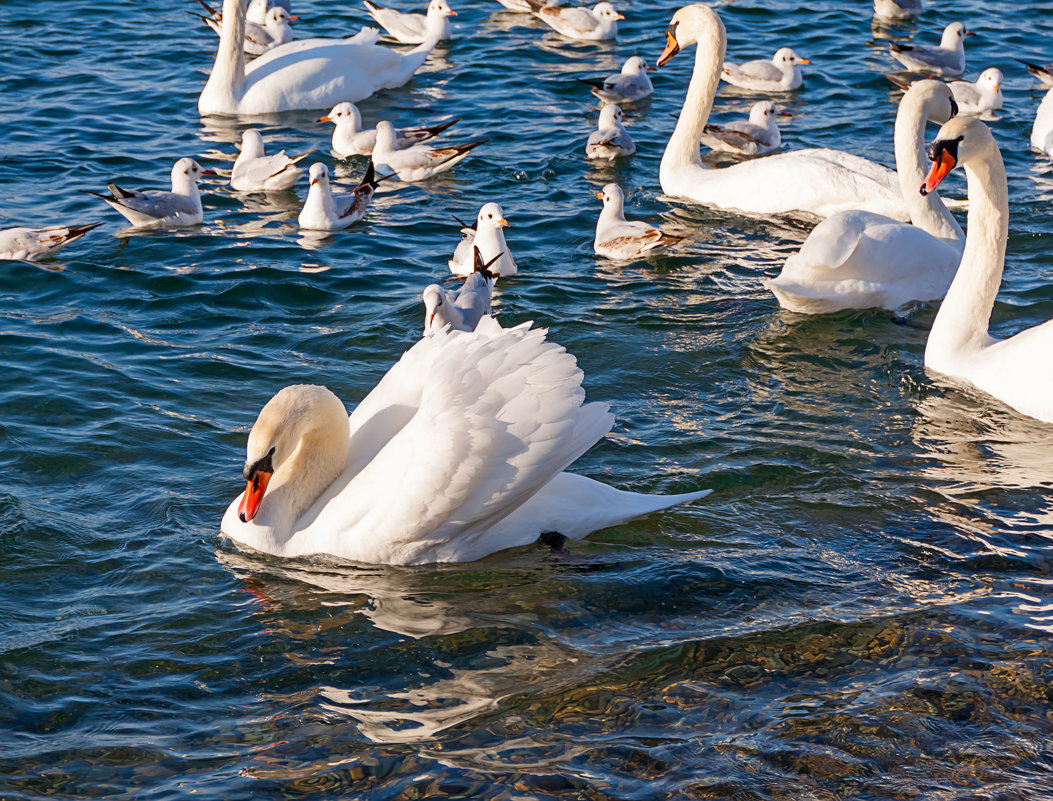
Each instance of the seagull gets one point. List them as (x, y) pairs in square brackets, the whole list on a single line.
[(271, 31), (610, 140), (626, 86), (156, 207), (412, 28), (417, 162), (326, 210), (257, 10), (524, 6), (753, 137), (621, 239), (254, 171), (488, 236), (350, 139), (781, 74), (946, 59), (33, 244), (595, 24), (898, 9), (463, 308), (975, 99), (1044, 73)]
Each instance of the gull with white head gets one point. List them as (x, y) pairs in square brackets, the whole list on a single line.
[(161, 208), (488, 237), (351, 139), (462, 308), (417, 162), (272, 30), (753, 137), (610, 140), (33, 244), (594, 24), (627, 86), (622, 239), (413, 28), (326, 210), (255, 171), (781, 74), (946, 58)]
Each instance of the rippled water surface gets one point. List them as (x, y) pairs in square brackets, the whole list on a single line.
[(861, 609)]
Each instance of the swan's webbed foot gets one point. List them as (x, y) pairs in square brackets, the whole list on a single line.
[(554, 540)]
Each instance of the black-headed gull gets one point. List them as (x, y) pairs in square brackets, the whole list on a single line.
[(463, 308), (753, 137), (1044, 73), (781, 74), (350, 139), (271, 31), (947, 58), (488, 237), (610, 140), (418, 162), (631, 84), (326, 210), (33, 244), (589, 24), (977, 98), (413, 28), (254, 171), (621, 239), (897, 9), (160, 208)]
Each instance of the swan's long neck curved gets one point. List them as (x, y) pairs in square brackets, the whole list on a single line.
[(683, 147), (927, 212), (228, 72), (962, 322)]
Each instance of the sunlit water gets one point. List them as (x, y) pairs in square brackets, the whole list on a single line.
[(861, 609)]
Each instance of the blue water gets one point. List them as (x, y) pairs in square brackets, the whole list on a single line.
[(861, 609)]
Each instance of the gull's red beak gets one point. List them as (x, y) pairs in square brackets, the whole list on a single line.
[(253, 495)]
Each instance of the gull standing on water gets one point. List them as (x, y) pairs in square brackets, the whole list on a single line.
[(753, 137), (463, 308), (632, 83), (610, 140), (413, 28), (781, 74), (350, 139), (595, 24), (325, 210), (255, 171), (417, 162), (160, 208), (621, 239), (488, 237), (947, 58), (33, 244)]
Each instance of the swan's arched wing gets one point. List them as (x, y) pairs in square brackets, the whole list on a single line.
[(500, 415)]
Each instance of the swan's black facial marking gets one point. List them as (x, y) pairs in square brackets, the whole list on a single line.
[(672, 46), (954, 107), (262, 465), (941, 146)]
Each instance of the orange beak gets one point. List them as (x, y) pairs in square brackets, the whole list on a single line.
[(939, 171), (326, 118), (253, 495), (599, 195), (619, 16), (803, 60), (451, 13), (503, 222), (294, 18), (671, 49)]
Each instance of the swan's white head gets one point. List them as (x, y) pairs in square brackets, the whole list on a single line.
[(187, 171), (344, 114), (319, 174), (785, 58), (634, 65), (991, 78), (252, 144), (613, 198), (386, 136), (440, 9), (690, 25), (936, 99), (609, 116), (954, 36), (491, 216), (434, 299), (606, 11), (959, 141), (287, 423)]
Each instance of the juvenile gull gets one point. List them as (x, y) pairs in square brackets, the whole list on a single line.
[(618, 238)]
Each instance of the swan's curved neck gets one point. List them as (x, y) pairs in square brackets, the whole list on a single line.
[(927, 212), (683, 147), (228, 71), (963, 319)]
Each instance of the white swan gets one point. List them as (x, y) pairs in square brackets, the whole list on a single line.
[(457, 453), (820, 181), (856, 259), (306, 74), (1019, 370)]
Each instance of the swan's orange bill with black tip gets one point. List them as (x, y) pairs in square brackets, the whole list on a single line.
[(250, 500), (671, 46), (944, 156)]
